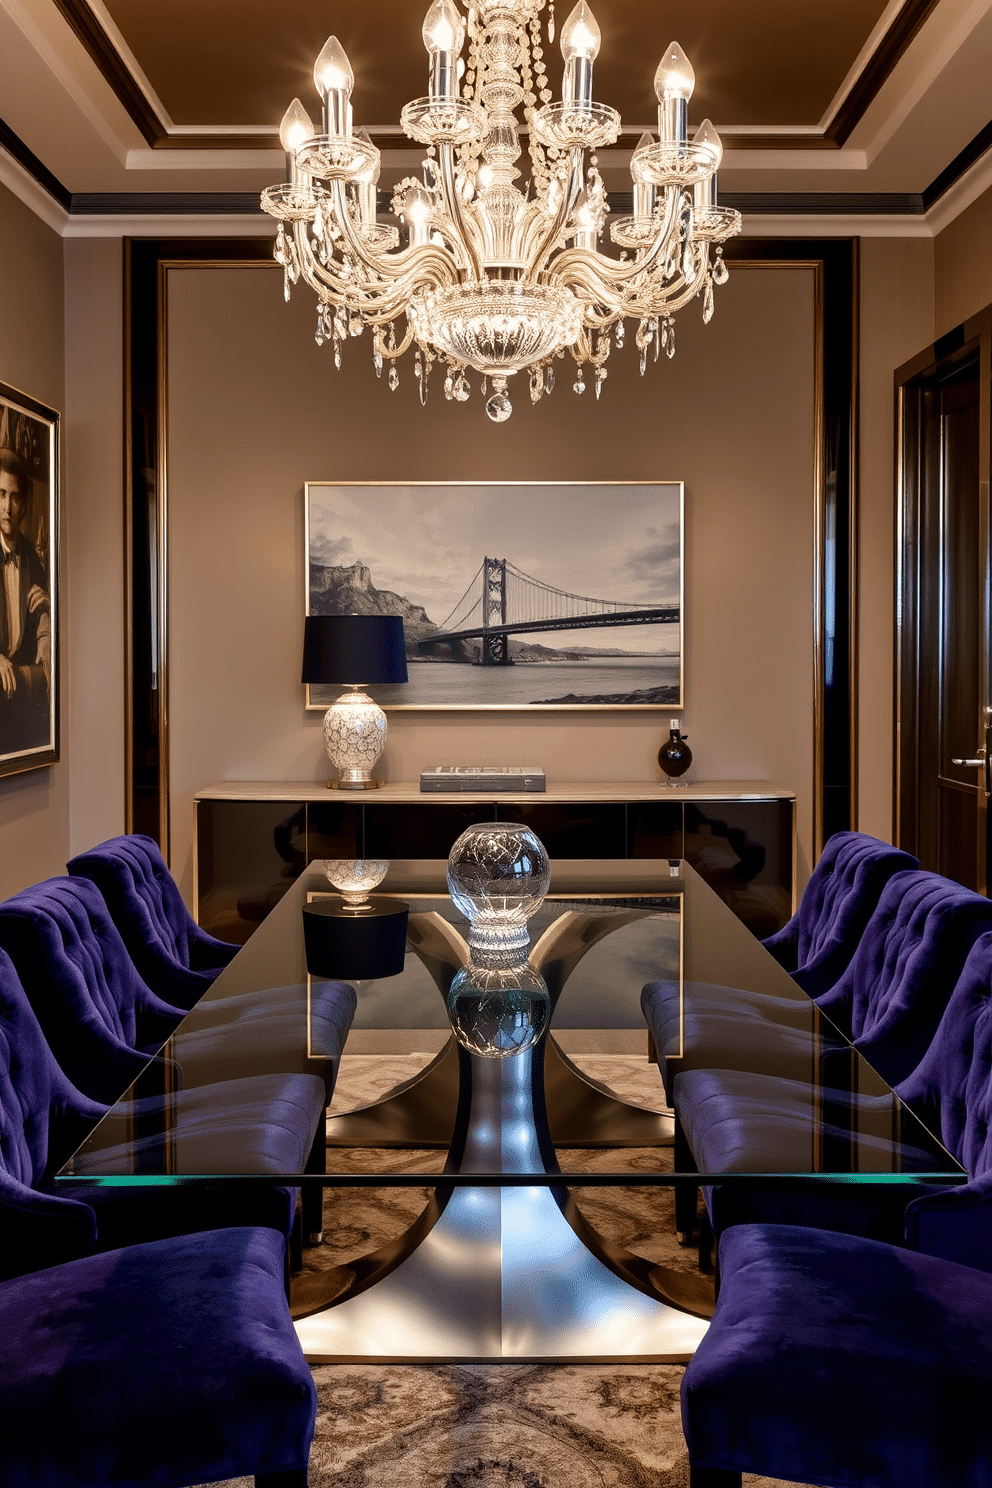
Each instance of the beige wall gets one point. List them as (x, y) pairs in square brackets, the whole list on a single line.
[(896, 323), (963, 266), (255, 409), (94, 520), (34, 807)]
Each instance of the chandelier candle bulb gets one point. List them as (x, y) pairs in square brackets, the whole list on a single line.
[(708, 139), (673, 85), (334, 81), (418, 211), (443, 36), (580, 42), (296, 128)]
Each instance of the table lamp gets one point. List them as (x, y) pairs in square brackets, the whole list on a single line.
[(357, 650)]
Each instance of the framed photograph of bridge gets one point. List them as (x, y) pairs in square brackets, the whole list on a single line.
[(520, 596)]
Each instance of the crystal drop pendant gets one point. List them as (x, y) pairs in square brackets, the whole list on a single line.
[(578, 386), (377, 362), (720, 271), (644, 361), (462, 390), (482, 387), (600, 379), (536, 385), (618, 334), (285, 284), (393, 379), (423, 391), (551, 23), (670, 348), (449, 388), (499, 408), (708, 302), (549, 380), (337, 353)]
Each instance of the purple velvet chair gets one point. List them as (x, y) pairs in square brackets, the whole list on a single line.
[(174, 1362), (43, 1118), (843, 1361), (174, 956), (818, 942), (731, 1111)]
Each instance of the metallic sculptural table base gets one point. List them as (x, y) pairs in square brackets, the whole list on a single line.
[(503, 1273), (492, 1273)]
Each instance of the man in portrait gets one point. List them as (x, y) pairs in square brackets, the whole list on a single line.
[(25, 618)]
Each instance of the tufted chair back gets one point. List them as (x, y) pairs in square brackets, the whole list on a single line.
[(820, 939), (148, 908), (96, 1013), (893, 994), (951, 1089)]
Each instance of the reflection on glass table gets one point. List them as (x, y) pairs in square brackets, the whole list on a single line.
[(513, 1270)]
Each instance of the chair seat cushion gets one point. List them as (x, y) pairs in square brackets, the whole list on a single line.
[(163, 1364), (713, 1027), (736, 1122), (261, 1124), (842, 1361), (280, 1029)]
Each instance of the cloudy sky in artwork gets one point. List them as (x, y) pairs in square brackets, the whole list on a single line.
[(612, 542)]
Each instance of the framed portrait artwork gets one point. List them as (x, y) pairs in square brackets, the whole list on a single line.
[(521, 596), (29, 465)]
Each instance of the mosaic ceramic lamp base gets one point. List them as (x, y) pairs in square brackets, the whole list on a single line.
[(354, 735)]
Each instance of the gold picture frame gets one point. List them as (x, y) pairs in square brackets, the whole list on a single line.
[(29, 587), (506, 643)]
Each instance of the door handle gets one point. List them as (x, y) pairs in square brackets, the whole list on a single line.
[(982, 761)]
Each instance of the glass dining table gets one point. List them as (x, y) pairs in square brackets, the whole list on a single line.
[(502, 1262)]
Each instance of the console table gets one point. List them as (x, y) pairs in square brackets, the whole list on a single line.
[(252, 839)]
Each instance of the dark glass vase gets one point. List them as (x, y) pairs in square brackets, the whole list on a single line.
[(675, 756)]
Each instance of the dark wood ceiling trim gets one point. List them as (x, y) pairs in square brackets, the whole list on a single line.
[(98, 44), (36, 169), (107, 58), (878, 68), (963, 161)]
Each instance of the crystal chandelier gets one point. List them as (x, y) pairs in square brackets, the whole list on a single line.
[(487, 276)]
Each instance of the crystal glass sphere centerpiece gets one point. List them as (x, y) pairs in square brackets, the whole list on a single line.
[(498, 876)]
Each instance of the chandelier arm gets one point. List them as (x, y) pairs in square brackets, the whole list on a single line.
[(452, 201), (405, 264), (395, 352), (377, 304), (319, 276), (569, 196), (690, 288), (610, 272)]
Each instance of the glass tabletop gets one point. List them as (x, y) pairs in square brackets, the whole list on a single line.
[(725, 1011)]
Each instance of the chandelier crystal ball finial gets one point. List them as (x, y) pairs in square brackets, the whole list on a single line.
[(499, 263)]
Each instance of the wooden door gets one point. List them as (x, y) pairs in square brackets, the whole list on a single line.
[(944, 682)]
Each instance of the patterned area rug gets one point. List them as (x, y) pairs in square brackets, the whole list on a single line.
[(501, 1425)]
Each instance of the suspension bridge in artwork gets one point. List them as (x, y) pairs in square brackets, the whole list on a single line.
[(502, 600)]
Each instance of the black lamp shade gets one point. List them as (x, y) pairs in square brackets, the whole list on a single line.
[(354, 648), (354, 947)]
